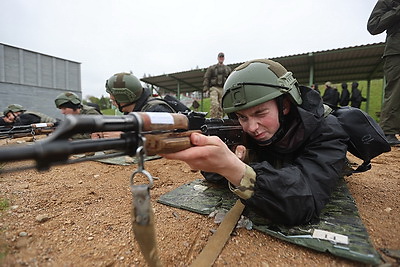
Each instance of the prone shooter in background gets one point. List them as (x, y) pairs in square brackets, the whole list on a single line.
[(17, 115)]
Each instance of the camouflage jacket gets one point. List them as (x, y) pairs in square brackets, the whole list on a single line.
[(216, 75), (85, 110), (31, 117)]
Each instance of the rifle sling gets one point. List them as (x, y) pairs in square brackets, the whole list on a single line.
[(217, 241), (143, 225)]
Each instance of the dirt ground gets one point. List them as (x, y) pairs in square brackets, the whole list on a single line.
[(79, 215)]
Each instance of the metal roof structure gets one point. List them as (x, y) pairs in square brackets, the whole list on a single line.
[(356, 63)]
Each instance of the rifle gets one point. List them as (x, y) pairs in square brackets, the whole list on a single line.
[(27, 130), (142, 133), (156, 132)]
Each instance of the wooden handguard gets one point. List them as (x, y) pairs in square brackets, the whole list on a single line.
[(165, 143)]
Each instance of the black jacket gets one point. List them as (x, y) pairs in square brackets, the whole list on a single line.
[(356, 98), (331, 96), (142, 104), (296, 175), (344, 97)]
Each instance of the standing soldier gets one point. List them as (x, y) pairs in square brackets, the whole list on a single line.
[(356, 96), (214, 80), (386, 17), (344, 96), (331, 95)]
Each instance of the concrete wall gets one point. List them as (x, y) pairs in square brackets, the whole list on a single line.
[(34, 80)]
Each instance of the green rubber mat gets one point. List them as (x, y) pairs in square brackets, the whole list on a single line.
[(340, 230)]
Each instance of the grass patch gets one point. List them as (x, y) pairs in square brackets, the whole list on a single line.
[(3, 252), (4, 204), (109, 111), (206, 105), (374, 99)]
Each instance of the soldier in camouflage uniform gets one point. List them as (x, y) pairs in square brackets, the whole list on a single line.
[(70, 103), (127, 93), (295, 154), (386, 17), (18, 115), (214, 80)]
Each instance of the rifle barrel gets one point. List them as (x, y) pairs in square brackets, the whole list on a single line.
[(47, 153)]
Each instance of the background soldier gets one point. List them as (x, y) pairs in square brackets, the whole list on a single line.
[(344, 96), (70, 103), (18, 115), (386, 16), (214, 80), (331, 95), (127, 93), (356, 96)]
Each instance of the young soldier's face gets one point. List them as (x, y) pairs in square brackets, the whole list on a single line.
[(261, 122), (11, 117), (67, 111)]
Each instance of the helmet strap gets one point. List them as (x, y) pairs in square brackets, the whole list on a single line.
[(120, 107)]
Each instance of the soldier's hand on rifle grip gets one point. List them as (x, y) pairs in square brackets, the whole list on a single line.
[(211, 154)]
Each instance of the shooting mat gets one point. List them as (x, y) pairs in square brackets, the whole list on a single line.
[(340, 217)]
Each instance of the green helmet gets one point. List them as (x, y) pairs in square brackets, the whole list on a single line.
[(66, 97), (258, 81), (13, 108), (125, 87)]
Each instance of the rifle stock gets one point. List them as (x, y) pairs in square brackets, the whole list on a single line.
[(157, 132)]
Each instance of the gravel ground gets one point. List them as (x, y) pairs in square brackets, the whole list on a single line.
[(79, 215)]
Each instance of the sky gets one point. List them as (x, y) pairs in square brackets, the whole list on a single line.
[(166, 36)]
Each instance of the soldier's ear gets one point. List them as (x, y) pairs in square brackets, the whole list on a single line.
[(286, 106)]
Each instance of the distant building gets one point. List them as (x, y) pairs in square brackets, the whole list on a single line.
[(34, 80)]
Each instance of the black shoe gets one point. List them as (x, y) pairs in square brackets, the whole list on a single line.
[(392, 139)]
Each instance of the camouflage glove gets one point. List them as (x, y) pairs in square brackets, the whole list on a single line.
[(205, 89)]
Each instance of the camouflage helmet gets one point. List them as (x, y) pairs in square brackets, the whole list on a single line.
[(66, 97), (258, 81), (125, 87), (13, 108)]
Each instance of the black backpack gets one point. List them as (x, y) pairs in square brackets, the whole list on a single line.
[(170, 101), (367, 139), (177, 105)]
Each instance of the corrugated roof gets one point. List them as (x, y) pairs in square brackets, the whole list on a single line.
[(356, 63)]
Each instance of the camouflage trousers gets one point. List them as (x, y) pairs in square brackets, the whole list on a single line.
[(215, 99)]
